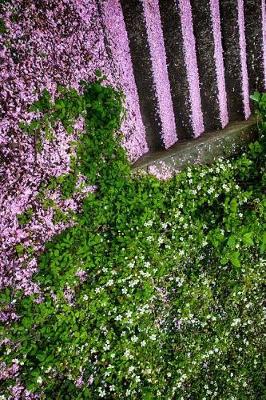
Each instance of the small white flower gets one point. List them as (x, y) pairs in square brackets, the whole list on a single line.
[(107, 373), (211, 190), (143, 343), (153, 337), (225, 187), (236, 321), (85, 297), (128, 314), (102, 392), (147, 264), (148, 223), (160, 240), (39, 380), (148, 371), (127, 353)]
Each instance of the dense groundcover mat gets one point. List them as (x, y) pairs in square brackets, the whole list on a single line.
[(155, 290)]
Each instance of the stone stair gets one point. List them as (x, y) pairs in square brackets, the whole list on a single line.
[(195, 64)]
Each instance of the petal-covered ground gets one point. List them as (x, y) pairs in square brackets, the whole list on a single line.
[(45, 44)]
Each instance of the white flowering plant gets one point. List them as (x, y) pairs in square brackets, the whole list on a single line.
[(155, 291)]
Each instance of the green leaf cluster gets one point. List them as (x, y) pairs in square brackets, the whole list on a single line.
[(171, 304)]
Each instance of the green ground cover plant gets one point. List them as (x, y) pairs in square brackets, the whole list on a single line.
[(156, 292)]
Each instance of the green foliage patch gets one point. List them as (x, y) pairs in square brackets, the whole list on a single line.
[(156, 292)]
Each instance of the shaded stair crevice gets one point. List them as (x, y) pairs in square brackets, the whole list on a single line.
[(138, 42), (205, 45), (234, 58), (182, 67), (254, 39), (171, 24)]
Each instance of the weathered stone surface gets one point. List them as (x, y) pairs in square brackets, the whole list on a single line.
[(254, 39), (235, 58), (173, 38), (205, 149), (204, 32), (142, 65)]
